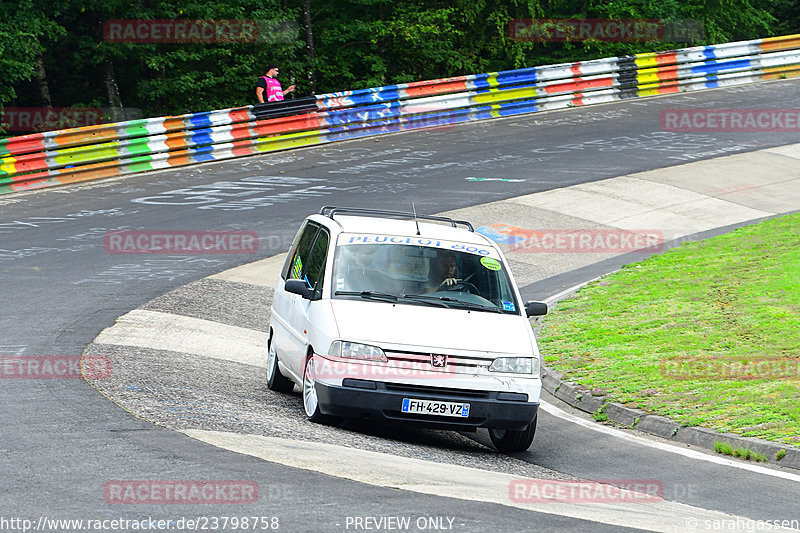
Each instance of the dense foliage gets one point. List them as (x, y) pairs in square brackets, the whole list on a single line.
[(55, 53)]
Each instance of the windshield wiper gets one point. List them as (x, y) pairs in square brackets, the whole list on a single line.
[(438, 301), (449, 302), (479, 307), (372, 295)]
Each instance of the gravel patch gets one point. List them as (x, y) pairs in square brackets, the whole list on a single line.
[(179, 391), (227, 302)]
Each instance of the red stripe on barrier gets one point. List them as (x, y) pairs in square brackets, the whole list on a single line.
[(29, 163), (310, 121), (24, 144), (27, 177), (26, 185), (666, 58), (243, 147), (241, 131), (579, 85), (240, 115), (443, 86), (667, 73)]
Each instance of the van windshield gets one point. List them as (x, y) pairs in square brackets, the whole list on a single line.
[(446, 275)]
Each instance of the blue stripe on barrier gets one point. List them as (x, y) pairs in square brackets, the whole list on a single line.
[(490, 88), (201, 120), (515, 108), (362, 114), (481, 85), (513, 77), (365, 96), (202, 136), (203, 153), (710, 52), (719, 66)]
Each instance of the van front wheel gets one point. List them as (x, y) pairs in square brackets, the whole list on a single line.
[(508, 441), (310, 400)]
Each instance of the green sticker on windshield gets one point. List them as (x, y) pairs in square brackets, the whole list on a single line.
[(491, 264)]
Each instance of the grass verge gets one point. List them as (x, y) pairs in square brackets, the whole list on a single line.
[(707, 334)]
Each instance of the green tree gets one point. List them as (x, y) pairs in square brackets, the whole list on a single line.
[(26, 30)]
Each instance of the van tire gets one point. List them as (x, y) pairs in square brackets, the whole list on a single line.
[(310, 400), (508, 441), (275, 380)]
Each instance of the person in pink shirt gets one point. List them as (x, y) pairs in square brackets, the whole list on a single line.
[(269, 89)]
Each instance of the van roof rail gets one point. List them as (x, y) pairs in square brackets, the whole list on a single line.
[(330, 211)]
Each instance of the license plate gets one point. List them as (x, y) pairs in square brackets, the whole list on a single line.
[(433, 407)]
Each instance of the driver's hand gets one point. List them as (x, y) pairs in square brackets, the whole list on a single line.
[(449, 282)]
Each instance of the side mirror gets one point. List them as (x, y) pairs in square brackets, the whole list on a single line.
[(298, 286), (535, 308)]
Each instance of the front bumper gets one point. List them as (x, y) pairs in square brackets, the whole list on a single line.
[(381, 401)]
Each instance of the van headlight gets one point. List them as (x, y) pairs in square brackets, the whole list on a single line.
[(356, 350), (516, 365)]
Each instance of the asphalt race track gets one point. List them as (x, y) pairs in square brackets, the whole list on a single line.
[(63, 442)]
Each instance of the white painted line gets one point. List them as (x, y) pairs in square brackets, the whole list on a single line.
[(663, 446), (442, 479)]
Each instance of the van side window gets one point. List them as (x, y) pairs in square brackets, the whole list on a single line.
[(294, 266), (315, 265)]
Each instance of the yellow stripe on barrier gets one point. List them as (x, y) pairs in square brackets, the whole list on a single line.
[(291, 140), (645, 60), (643, 78), (785, 42), (7, 165), (503, 96), (779, 73), (80, 154)]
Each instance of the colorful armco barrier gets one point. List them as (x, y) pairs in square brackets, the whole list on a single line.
[(68, 156)]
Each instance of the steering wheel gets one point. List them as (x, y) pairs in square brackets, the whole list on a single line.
[(461, 286)]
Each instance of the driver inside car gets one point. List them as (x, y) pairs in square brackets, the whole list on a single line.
[(443, 272)]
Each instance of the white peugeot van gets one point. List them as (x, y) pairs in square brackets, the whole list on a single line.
[(403, 318)]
